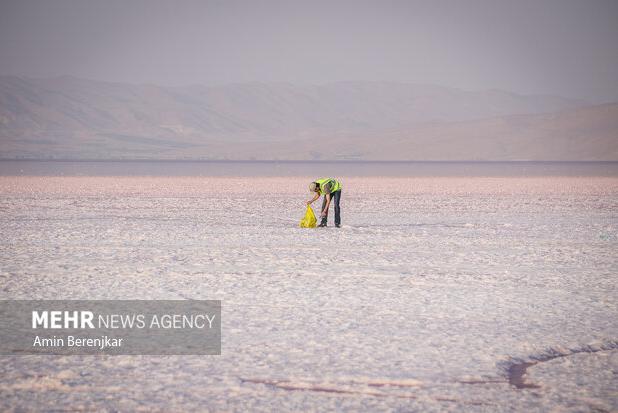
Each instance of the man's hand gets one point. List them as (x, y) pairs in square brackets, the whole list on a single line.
[(309, 202), (325, 210)]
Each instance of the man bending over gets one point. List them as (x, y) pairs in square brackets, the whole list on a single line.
[(331, 189)]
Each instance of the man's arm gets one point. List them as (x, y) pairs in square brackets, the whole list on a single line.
[(327, 205), (316, 196)]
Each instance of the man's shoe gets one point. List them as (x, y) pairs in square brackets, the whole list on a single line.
[(338, 225), (322, 224)]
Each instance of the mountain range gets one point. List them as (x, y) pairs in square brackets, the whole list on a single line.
[(72, 118)]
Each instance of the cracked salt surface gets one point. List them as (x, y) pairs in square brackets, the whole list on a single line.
[(432, 290)]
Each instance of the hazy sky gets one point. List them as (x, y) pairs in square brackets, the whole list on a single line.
[(562, 47)]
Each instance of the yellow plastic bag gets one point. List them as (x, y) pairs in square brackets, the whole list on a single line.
[(309, 220)]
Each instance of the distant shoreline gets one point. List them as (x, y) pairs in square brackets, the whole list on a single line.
[(186, 167), (321, 161)]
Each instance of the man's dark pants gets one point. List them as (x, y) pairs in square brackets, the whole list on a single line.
[(334, 198)]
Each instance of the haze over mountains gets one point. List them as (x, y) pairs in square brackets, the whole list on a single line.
[(70, 118)]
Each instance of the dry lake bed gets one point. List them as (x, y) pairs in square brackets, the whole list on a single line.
[(461, 293)]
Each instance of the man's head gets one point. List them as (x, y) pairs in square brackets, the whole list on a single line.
[(314, 187)]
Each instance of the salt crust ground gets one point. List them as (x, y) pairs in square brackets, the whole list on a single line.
[(421, 302)]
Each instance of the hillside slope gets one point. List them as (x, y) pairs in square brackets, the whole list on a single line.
[(67, 117)]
